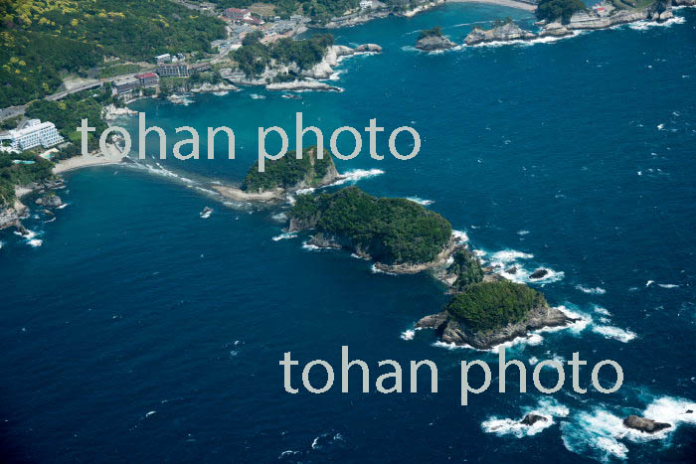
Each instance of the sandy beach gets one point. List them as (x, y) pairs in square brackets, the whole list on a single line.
[(509, 3), (240, 195), (112, 156)]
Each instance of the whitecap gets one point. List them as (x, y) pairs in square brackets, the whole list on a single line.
[(522, 232), (508, 256), (420, 201), (375, 270), (645, 25), (622, 335), (280, 217), (460, 236), (526, 43), (408, 334), (548, 408), (591, 291), (595, 434), (355, 175), (35, 243), (285, 236), (150, 413), (602, 311), (310, 247), (668, 285)]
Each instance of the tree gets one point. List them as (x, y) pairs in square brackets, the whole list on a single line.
[(551, 10)]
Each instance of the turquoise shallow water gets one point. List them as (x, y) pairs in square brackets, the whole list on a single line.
[(140, 332)]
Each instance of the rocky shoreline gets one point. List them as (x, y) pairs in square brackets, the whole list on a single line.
[(452, 331), (308, 79), (510, 32)]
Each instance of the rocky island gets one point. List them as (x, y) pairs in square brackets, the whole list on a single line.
[(487, 314), (643, 424), (399, 235), (431, 40), (503, 31), (284, 176)]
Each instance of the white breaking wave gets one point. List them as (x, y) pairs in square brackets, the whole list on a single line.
[(526, 43), (645, 25), (375, 270), (460, 236), (591, 291), (305, 191), (310, 247), (595, 434), (602, 311), (408, 334), (420, 201), (354, 175), (668, 285), (622, 335), (546, 408), (285, 236)]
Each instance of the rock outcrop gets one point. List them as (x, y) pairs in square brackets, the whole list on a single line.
[(504, 33), (451, 330), (274, 77), (644, 424), (432, 43), (11, 216), (50, 200), (531, 419)]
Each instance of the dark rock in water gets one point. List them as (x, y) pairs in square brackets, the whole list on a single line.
[(531, 419), (689, 411), (511, 270), (50, 200), (645, 425), (539, 273), (433, 43), (370, 47)]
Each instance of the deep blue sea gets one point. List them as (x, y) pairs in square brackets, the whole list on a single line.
[(139, 332)]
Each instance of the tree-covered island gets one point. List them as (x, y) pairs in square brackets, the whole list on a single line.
[(284, 176), (391, 231)]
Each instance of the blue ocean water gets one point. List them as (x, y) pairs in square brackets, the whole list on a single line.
[(139, 332)]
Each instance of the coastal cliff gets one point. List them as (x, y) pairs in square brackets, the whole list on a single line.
[(11, 216), (487, 314), (292, 65)]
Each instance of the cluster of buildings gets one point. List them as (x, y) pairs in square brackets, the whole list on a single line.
[(167, 66), (242, 16), (31, 134)]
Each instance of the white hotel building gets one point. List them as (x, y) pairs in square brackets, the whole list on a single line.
[(33, 134)]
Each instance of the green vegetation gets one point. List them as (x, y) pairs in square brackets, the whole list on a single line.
[(552, 10), (319, 11), (288, 171), (488, 306), (253, 56), (39, 39), (118, 69), (434, 32), (467, 268), (390, 230), (12, 174), (68, 113)]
